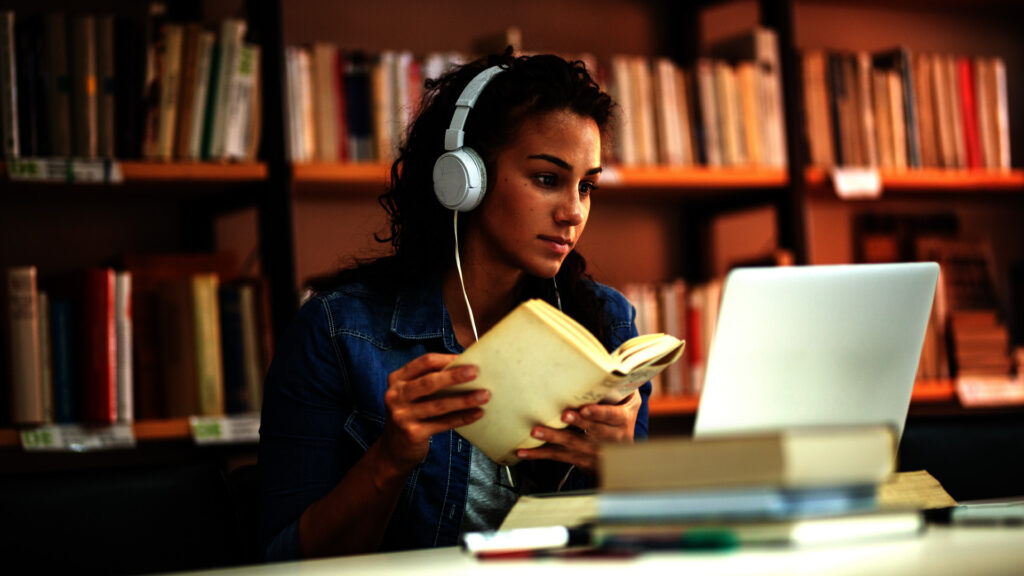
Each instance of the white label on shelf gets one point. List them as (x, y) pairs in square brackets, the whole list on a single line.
[(990, 391), (225, 429), (857, 183), (77, 438), (103, 170)]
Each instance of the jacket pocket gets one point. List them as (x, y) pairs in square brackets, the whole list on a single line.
[(364, 428)]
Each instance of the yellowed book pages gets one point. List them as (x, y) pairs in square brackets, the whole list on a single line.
[(537, 362), (917, 489)]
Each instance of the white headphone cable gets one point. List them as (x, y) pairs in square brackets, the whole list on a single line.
[(462, 282), (465, 295)]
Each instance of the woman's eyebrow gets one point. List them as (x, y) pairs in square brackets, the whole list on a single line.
[(562, 163)]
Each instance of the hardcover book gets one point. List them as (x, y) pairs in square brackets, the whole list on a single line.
[(537, 361)]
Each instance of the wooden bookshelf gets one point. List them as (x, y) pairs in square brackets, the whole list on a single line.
[(193, 171), (930, 180), (172, 429), (614, 177), (693, 178), (673, 405), (142, 171), (925, 392)]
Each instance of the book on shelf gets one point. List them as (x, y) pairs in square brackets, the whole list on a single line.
[(757, 52), (106, 81), (794, 458), (64, 349), (917, 110), (23, 345), (95, 85), (8, 86), (535, 345), (243, 360), (150, 272), (123, 333), (99, 347), (190, 347)]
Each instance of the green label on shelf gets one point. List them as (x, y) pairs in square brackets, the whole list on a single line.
[(101, 170), (235, 428), (76, 438)]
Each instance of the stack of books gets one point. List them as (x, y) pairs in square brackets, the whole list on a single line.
[(788, 488)]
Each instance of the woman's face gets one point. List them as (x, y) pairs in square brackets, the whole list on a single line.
[(536, 210)]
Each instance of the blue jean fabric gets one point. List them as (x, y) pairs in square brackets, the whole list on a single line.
[(323, 406)]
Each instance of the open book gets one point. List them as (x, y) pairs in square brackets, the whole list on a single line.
[(537, 361)]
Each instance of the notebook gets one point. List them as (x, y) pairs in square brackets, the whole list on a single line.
[(816, 346)]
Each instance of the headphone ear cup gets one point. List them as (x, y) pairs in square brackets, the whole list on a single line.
[(460, 179)]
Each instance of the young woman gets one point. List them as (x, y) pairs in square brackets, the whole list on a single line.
[(357, 451)]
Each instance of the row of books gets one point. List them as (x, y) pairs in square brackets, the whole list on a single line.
[(902, 110), (789, 488), (106, 346), (96, 86), (686, 311), (353, 106), (966, 336), (725, 111)]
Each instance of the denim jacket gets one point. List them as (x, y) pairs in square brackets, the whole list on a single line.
[(323, 406)]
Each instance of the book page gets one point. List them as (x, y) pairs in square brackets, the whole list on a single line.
[(917, 489), (553, 510)]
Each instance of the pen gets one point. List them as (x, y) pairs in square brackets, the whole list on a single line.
[(569, 553)]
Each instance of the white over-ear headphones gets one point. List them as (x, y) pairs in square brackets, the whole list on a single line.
[(460, 178)]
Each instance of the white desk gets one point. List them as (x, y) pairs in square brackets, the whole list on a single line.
[(940, 551)]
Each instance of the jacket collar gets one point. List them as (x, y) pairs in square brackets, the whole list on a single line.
[(420, 314)]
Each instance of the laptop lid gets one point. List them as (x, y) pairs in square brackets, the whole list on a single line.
[(816, 346)]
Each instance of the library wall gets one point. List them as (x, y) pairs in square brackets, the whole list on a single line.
[(602, 27)]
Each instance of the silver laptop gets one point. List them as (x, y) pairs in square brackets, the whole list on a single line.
[(816, 346)]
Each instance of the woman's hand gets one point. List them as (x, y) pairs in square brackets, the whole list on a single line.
[(590, 426), (415, 410)]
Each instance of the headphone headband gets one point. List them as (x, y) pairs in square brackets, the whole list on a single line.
[(454, 136)]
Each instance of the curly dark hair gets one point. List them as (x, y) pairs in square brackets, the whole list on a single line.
[(421, 228)]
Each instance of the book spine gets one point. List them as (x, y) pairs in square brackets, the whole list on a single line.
[(25, 355), (232, 32), (124, 336), (170, 89), (206, 337), (106, 86), (240, 102), (8, 87), (65, 368), (200, 96), (45, 357), (232, 350), (1002, 114), (84, 112), (32, 137), (59, 96), (969, 115), (99, 397), (187, 92)]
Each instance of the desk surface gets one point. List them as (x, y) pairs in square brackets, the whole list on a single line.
[(941, 550)]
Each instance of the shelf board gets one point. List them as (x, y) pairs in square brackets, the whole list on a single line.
[(142, 171), (692, 177), (342, 173), (924, 392), (144, 430), (616, 177), (931, 180), (172, 429), (672, 405), (197, 171)]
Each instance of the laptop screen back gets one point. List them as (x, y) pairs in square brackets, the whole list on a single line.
[(816, 346)]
